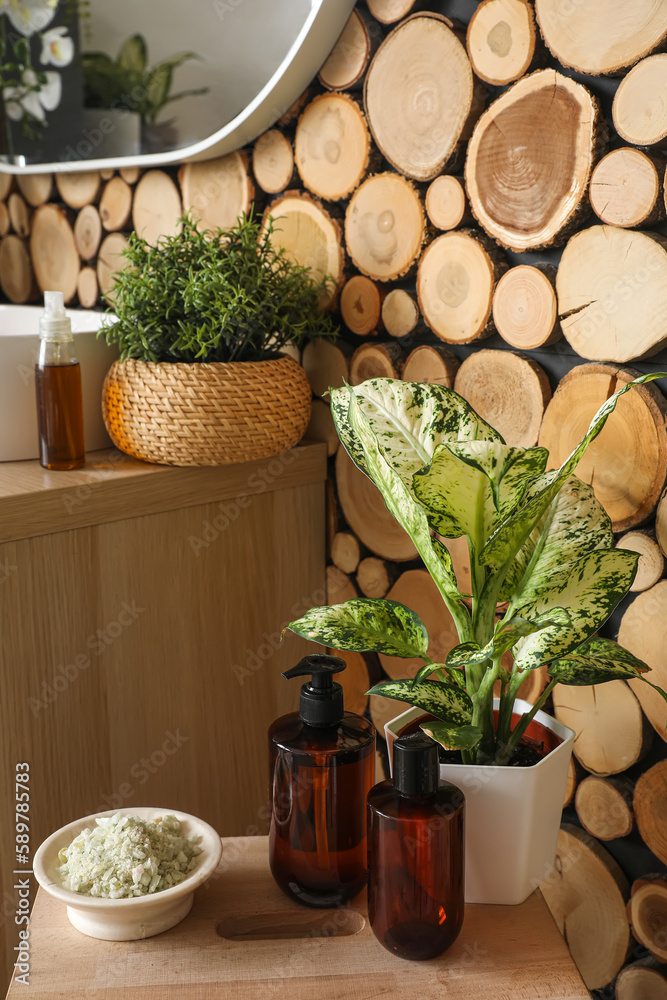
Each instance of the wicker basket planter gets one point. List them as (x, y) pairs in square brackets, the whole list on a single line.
[(206, 414)]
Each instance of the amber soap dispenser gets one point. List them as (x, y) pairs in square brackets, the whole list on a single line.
[(415, 854), (58, 386), (321, 767)]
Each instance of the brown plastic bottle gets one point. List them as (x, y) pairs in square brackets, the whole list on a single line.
[(415, 854), (58, 387), (321, 767)]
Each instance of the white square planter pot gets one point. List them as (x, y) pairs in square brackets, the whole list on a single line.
[(512, 815)]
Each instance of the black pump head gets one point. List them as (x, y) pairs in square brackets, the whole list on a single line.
[(321, 701), (415, 765)]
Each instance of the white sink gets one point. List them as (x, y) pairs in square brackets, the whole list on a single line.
[(19, 346)]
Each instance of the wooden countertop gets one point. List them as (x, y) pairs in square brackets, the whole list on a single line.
[(112, 486), (244, 940)]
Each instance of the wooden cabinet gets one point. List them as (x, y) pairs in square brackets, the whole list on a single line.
[(141, 610)]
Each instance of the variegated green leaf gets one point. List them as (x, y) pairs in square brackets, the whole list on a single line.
[(365, 624), (469, 486), (443, 700), (507, 634), (410, 515), (512, 533), (409, 420), (596, 662), (589, 592), (425, 672), (453, 737), (575, 524)]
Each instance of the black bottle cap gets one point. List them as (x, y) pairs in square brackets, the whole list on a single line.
[(415, 765), (321, 698)]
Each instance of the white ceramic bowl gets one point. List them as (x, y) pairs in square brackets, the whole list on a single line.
[(140, 916)]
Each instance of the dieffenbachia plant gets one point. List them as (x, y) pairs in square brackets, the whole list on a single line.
[(539, 541)]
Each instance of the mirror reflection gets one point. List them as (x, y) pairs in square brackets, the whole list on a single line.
[(86, 79)]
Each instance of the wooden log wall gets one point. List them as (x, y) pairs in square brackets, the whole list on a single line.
[(485, 183)]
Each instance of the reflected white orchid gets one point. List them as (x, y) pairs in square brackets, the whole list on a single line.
[(31, 97), (57, 47), (28, 93), (29, 16)]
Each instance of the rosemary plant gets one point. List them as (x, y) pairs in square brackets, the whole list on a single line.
[(223, 295)]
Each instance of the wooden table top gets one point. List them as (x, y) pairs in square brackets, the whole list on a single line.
[(244, 939)]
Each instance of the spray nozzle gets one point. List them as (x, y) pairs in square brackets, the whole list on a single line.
[(54, 323)]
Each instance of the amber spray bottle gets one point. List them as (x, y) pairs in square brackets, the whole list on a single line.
[(415, 854), (321, 767), (58, 386)]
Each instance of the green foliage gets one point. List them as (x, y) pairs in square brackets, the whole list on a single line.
[(537, 539), (127, 81), (214, 296)]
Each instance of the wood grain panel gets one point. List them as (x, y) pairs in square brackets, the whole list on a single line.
[(141, 658)]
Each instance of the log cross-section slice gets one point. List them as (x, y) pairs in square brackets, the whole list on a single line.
[(156, 208), (321, 428), (604, 807), (431, 363), (87, 232), (349, 58), (16, 276), (627, 188), (661, 523), (530, 159), (643, 630), (375, 576), (115, 204), (332, 146), (366, 514), (508, 391), (110, 260), (345, 551), (78, 188), (217, 191), (417, 591), (611, 286), (627, 463), (87, 287), (420, 96), (586, 892), (651, 560), (455, 283), (273, 161), (446, 203), (648, 912), (650, 806), (639, 110), (502, 40), (642, 980), (361, 305), (389, 11), (310, 236), (19, 214), (385, 227), (525, 307), (376, 361), (55, 258), (400, 313), (35, 188), (610, 730), (601, 37), (326, 365)]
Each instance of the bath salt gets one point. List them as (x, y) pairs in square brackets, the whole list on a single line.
[(125, 856)]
